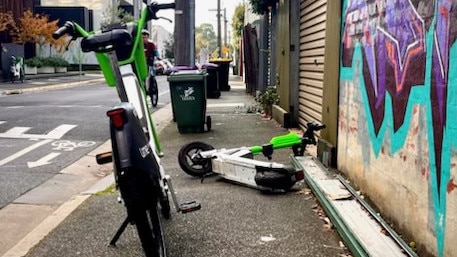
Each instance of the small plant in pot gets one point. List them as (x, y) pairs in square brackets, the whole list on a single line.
[(59, 63), (30, 65), (267, 99), (46, 65)]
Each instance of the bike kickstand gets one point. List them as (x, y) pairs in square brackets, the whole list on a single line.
[(119, 232)]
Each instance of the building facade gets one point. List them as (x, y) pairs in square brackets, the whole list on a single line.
[(381, 76)]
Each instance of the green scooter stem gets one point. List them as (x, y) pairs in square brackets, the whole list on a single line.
[(278, 142)]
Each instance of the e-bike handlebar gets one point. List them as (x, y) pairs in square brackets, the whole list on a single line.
[(67, 28), (71, 27)]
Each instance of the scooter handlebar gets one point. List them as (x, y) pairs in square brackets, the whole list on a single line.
[(312, 126)]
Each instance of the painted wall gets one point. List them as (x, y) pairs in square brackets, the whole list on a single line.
[(397, 130)]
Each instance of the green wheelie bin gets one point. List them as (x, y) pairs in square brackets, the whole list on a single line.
[(188, 100)]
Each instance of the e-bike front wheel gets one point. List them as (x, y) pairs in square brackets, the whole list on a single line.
[(153, 91), (149, 229), (190, 160)]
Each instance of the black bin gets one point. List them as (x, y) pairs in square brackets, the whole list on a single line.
[(212, 80), (224, 66)]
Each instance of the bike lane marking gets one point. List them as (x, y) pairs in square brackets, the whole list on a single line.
[(43, 161), (24, 151), (56, 133)]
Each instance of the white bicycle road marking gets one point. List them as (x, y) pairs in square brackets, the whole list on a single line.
[(67, 145), (24, 151)]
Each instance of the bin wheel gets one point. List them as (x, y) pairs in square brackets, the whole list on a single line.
[(208, 123), (190, 161)]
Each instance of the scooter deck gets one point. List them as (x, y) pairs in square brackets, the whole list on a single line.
[(235, 167)]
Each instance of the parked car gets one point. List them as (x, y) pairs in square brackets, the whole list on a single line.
[(168, 68)]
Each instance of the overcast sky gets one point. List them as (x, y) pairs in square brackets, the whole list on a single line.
[(203, 13)]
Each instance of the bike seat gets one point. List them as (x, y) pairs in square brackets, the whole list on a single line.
[(107, 41)]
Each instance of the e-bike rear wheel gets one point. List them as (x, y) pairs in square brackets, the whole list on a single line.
[(191, 162), (149, 229), (153, 91)]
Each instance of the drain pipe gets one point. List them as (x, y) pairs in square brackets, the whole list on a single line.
[(381, 221)]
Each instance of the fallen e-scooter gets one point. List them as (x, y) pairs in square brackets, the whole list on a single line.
[(238, 164)]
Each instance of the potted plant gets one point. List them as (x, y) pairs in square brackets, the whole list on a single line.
[(267, 99), (59, 63), (30, 66), (46, 65)]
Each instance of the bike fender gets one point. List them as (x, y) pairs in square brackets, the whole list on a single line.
[(130, 145)]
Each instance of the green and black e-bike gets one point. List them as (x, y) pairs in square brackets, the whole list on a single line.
[(136, 151)]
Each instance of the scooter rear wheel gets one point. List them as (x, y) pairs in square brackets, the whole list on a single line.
[(191, 162), (274, 180)]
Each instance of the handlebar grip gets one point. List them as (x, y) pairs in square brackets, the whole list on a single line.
[(67, 28), (319, 127), (155, 7), (166, 6)]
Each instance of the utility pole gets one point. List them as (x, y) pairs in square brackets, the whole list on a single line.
[(136, 9), (184, 35), (219, 33), (225, 27), (219, 43)]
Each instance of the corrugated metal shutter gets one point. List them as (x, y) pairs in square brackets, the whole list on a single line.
[(312, 50)]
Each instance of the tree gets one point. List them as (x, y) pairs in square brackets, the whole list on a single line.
[(261, 6), (115, 14), (6, 20), (168, 47), (40, 32), (21, 30), (237, 25), (237, 28), (205, 37)]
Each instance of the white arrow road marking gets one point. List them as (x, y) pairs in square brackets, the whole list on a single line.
[(1, 122), (43, 161), (24, 151)]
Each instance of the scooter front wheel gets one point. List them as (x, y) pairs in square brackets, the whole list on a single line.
[(190, 160)]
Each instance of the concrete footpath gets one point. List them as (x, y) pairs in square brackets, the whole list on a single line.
[(312, 220)]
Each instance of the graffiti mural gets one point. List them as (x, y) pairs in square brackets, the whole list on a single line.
[(407, 50)]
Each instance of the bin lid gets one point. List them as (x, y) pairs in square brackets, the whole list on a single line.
[(220, 61), (187, 75), (209, 65), (179, 68)]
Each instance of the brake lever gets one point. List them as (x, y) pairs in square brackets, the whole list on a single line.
[(165, 18), (73, 38)]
